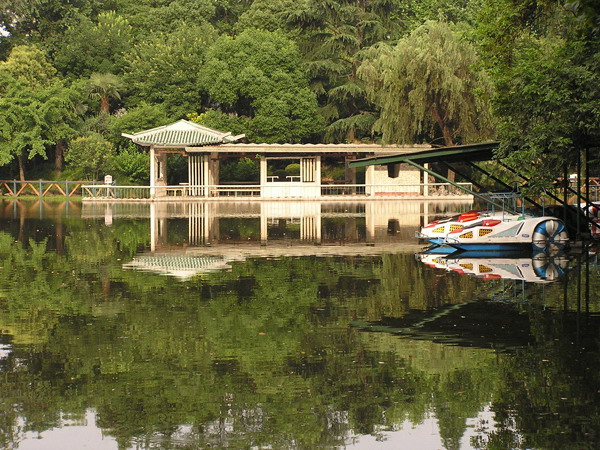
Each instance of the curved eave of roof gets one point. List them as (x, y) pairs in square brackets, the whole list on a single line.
[(181, 134)]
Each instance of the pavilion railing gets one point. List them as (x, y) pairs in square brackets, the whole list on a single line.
[(108, 192)]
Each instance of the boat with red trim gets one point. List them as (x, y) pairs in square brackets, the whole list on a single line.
[(487, 230)]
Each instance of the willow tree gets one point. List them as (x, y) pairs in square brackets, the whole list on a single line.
[(332, 34), (427, 88)]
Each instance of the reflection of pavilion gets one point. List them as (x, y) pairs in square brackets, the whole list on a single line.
[(231, 231), (187, 224)]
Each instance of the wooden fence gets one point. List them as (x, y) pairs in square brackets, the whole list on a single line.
[(14, 188)]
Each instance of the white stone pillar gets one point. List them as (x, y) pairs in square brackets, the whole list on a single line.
[(369, 178), (263, 178), (318, 171), (152, 172)]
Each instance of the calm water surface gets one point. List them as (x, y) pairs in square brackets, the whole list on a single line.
[(291, 325)]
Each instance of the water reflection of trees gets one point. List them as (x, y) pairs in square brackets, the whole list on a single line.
[(263, 355)]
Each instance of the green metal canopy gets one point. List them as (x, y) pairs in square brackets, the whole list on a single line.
[(181, 134), (460, 153)]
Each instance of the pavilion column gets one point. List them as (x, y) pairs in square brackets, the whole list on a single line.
[(318, 172), (152, 172), (369, 180), (425, 181), (263, 177), (163, 168), (350, 173), (162, 173), (213, 169)]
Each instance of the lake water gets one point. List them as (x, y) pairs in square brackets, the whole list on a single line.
[(285, 325)]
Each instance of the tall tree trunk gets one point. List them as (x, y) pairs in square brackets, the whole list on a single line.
[(59, 153), (104, 106), (446, 133), (21, 160)]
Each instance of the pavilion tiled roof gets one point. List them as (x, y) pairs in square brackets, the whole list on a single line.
[(181, 134)]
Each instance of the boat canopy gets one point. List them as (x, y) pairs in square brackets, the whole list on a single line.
[(459, 153)]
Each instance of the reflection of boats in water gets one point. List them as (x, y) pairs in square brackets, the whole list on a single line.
[(492, 231), (537, 268)]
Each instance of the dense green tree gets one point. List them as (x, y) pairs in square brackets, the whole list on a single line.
[(228, 12), (333, 33), (21, 126), (164, 69), (41, 22), (165, 16), (28, 64), (95, 46), (133, 163), (135, 119), (38, 110), (428, 87), (259, 75), (267, 15), (544, 58), (90, 155)]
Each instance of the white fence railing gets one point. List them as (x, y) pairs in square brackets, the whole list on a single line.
[(274, 192)]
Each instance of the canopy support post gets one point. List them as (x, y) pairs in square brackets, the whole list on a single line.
[(467, 190), (488, 174)]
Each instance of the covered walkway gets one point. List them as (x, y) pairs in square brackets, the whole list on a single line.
[(205, 149)]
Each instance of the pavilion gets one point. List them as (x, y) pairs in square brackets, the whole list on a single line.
[(204, 148)]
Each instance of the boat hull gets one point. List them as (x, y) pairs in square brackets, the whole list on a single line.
[(481, 231)]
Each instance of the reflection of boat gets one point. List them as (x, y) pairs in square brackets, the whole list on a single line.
[(539, 268), (492, 231)]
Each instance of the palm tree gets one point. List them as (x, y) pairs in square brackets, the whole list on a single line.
[(105, 86)]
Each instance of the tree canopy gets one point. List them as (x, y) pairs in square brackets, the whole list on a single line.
[(428, 87), (544, 59), (436, 71)]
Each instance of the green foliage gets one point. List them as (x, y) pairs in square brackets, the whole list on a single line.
[(544, 61), (166, 16), (439, 95), (270, 88), (243, 169), (40, 22), (38, 110), (142, 117), (92, 47), (332, 36), (267, 15), (219, 120), (28, 65), (134, 164), (105, 86), (293, 169), (164, 68), (90, 155), (21, 124)]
